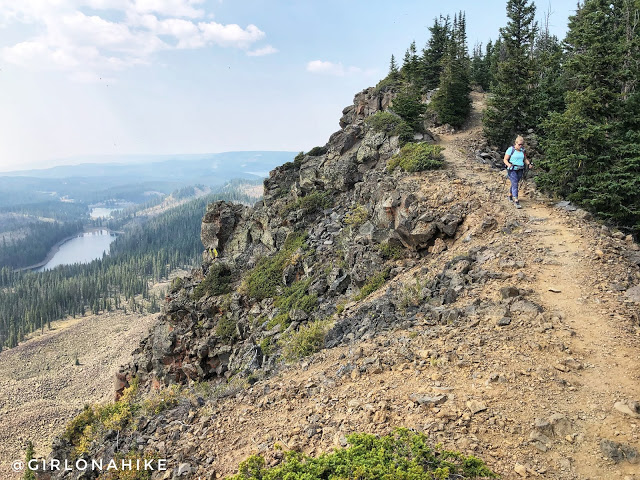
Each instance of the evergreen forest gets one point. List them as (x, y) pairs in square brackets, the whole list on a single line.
[(578, 97), (147, 252)]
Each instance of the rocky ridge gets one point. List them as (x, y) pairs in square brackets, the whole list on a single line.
[(491, 329)]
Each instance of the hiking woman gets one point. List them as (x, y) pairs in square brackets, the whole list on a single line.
[(515, 159)]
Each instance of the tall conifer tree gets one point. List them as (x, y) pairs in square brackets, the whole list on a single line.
[(452, 102), (592, 149), (509, 108), (433, 53), (549, 75)]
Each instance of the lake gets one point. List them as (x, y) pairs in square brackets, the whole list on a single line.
[(81, 249)]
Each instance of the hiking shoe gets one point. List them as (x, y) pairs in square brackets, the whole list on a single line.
[(517, 204), (510, 198)]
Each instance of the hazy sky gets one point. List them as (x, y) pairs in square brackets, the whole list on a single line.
[(115, 77)]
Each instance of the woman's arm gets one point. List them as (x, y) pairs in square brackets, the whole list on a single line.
[(507, 156)]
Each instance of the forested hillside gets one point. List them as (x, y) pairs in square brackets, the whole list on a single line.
[(32, 246), (576, 100), (149, 251)]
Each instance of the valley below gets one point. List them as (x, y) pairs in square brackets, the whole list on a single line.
[(42, 388)]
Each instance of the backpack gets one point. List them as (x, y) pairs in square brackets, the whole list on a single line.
[(525, 155)]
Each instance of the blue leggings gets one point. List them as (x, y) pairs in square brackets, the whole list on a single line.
[(514, 177)]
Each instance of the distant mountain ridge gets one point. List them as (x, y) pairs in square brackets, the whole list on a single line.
[(97, 182), (168, 167)]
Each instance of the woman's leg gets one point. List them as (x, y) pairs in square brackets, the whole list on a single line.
[(514, 178)]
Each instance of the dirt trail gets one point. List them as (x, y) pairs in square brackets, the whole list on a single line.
[(566, 282)]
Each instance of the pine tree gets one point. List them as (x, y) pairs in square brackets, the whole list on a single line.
[(592, 149), (394, 73), (481, 66), (432, 54), (410, 64), (549, 75), (452, 102), (407, 104), (509, 109)]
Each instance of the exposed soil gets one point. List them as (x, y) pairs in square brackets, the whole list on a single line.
[(41, 387)]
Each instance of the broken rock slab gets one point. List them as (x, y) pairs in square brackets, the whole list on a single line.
[(428, 400), (476, 406), (631, 409), (619, 452)]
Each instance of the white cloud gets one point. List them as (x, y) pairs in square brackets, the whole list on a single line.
[(336, 69), (170, 8), (69, 40), (327, 68), (230, 35), (259, 52)]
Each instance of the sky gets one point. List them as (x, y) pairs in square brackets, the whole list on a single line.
[(80, 78)]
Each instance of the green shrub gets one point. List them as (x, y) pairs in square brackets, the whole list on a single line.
[(226, 328), (280, 319), (373, 284), (217, 282), (313, 202), (356, 216), (391, 124), (416, 157), (265, 278), (393, 252), (176, 284), (76, 427), (317, 151), (162, 400), (94, 419), (403, 455), (409, 106), (297, 161), (267, 346), (296, 297), (306, 340), (388, 81)]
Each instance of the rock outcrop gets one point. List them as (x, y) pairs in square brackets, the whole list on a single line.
[(317, 196)]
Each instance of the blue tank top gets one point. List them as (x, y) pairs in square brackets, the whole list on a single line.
[(516, 158)]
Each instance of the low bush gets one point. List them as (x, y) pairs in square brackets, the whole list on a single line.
[(280, 319), (297, 161), (416, 157), (390, 82), (265, 278), (403, 455), (226, 328), (217, 282), (95, 419), (373, 284), (297, 297), (391, 124), (391, 252), (306, 340), (311, 203), (176, 284), (162, 400), (267, 346), (356, 216), (317, 151)]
